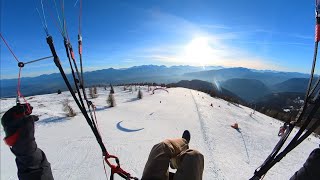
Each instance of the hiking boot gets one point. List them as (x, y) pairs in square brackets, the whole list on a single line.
[(174, 162), (186, 135)]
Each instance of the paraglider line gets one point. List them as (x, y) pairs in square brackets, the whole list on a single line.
[(5, 42), (75, 3)]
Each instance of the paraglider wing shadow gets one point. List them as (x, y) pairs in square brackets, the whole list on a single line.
[(126, 129)]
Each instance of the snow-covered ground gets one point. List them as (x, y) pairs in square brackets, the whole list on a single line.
[(229, 154)]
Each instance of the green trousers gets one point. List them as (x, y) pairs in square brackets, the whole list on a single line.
[(189, 163)]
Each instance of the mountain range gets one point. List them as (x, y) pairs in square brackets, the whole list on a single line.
[(248, 84)]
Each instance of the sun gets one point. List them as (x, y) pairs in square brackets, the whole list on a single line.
[(199, 51)]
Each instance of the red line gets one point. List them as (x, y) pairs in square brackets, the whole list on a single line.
[(19, 82), (9, 48), (19, 92)]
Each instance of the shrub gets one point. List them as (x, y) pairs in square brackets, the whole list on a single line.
[(93, 92), (68, 109)]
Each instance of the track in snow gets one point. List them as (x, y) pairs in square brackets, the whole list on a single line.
[(209, 144)]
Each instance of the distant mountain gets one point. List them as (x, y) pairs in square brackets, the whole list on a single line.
[(267, 77), (247, 89), (33, 85), (205, 87), (194, 84), (147, 73), (292, 85), (51, 83)]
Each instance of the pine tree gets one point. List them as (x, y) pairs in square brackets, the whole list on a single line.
[(140, 95), (111, 100), (111, 89), (95, 91)]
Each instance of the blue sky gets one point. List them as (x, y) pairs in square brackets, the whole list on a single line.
[(274, 34)]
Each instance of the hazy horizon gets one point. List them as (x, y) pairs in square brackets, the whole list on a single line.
[(119, 68)]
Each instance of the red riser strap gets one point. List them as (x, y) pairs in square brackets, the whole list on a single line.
[(317, 35)]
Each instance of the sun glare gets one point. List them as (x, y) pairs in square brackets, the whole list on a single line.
[(199, 51)]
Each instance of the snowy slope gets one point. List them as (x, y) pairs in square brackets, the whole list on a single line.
[(74, 153)]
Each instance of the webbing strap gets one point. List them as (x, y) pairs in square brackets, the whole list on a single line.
[(307, 111), (115, 169)]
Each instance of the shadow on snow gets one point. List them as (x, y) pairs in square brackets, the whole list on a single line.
[(49, 120), (245, 145), (100, 108), (126, 129), (132, 99)]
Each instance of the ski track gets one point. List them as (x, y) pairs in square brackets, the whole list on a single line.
[(228, 115), (208, 143), (74, 153)]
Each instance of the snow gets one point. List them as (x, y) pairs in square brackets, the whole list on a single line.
[(130, 129)]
